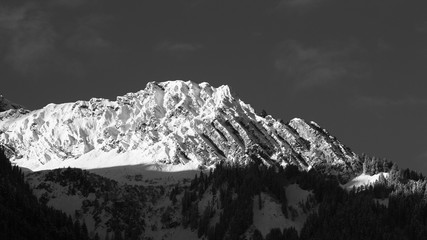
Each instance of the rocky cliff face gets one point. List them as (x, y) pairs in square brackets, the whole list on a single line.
[(174, 123)]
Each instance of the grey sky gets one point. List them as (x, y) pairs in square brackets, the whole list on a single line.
[(357, 67)]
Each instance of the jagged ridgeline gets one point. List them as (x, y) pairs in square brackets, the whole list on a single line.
[(5, 104), (174, 124)]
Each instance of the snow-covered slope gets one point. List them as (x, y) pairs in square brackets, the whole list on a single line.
[(175, 125), (268, 213), (103, 203)]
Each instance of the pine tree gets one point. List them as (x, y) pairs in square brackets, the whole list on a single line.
[(118, 235), (274, 234), (257, 235)]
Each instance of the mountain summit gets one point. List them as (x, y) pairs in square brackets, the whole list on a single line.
[(172, 125), (7, 105)]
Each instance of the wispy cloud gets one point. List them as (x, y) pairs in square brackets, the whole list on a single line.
[(29, 37), (72, 3), (178, 47), (422, 27), (367, 101), (177, 50), (86, 35), (298, 3), (297, 7), (32, 42), (419, 161), (303, 66)]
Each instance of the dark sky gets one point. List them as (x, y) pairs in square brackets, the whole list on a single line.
[(356, 67)]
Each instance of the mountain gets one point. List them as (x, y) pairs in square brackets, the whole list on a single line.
[(172, 125), (180, 160), (7, 105)]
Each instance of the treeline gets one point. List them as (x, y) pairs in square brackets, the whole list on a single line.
[(373, 165), (219, 204), (23, 217), (233, 189), (125, 205), (76, 179), (393, 208)]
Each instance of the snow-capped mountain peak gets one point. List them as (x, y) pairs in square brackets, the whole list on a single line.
[(172, 125)]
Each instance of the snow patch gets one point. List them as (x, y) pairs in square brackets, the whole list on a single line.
[(364, 179), (67, 203), (147, 174), (295, 194), (271, 216)]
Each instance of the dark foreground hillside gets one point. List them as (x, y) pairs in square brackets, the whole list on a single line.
[(225, 203), (23, 217), (395, 208)]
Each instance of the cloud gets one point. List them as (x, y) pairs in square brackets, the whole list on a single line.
[(72, 3), (422, 27), (367, 101), (29, 38), (177, 51), (171, 47), (297, 7), (33, 42), (87, 37), (311, 66), (298, 3), (423, 157), (420, 161)]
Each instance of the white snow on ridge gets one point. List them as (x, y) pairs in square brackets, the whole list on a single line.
[(364, 179), (130, 167), (160, 123), (173, 123), (97, 159)]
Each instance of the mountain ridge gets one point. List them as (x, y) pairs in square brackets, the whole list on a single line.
[(135, 168), (174, 123), (6, 104)]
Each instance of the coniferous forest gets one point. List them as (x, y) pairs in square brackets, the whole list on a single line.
[(333, 212), (340, 214), (22, 216)]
